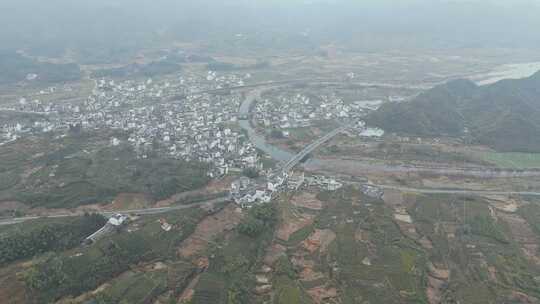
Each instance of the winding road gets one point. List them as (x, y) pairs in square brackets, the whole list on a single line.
[(289, 160)]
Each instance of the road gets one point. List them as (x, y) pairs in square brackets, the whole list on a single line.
[(341, 166), (23, 112), (322, 81), (355, 167), (352, 167), (458, 191), (310, 148), (147, 211)]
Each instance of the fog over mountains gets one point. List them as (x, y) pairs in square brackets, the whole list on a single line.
[(364, 25)]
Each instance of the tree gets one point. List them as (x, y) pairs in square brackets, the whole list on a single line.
[(49, 237), (265, 212), (277, 134), (251, 226), (260, 217), (251, 172)]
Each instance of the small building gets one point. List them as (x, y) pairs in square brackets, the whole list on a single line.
[(296, 180), (333, 185), (240, 185), (372, 132), (113, 224), (117, 220), (372, 191), (164, 225)]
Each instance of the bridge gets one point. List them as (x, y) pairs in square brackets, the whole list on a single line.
[(310, 148)]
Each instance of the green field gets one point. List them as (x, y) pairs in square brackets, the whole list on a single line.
[(44, 235), (513, 160), (74, 272), (82, 169), (288, 292), (136, 288), (230, 277)]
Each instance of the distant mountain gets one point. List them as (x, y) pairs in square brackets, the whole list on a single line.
[(140, 70), (16, 68), (504, 115)]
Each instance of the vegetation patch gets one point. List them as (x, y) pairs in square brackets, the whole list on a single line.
[(55, 276), (38, 238), (514, 160), (289, 292), (137, 288), (82, 169), (491, 115)]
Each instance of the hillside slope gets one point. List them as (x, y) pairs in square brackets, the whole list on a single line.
[(504, 115)]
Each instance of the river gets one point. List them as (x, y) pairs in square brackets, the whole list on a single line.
[(507, 71), (258, 140), (354, 167)]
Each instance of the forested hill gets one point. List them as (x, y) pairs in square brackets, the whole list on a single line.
[(504, 115), (15, 68)]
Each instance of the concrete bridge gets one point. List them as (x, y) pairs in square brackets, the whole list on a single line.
[(310, 148)]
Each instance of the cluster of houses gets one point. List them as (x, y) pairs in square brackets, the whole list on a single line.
[(285, 111), (183, 117), (247, 192), (288, 110), (173, 116)]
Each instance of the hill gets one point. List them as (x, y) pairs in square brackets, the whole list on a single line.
[(80, 169), (140, 70), (504, 115), (16, 68), (308, 247)]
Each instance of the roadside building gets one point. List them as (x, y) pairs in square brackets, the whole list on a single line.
[(296, 180)]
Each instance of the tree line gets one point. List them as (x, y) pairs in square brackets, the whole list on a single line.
[(58, 236)]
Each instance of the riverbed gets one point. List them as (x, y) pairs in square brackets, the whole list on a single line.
[(507, 71)]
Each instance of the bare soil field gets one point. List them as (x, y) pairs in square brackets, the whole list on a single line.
[(523, 235), (126, 201), (11, 289), (214, 187), (273, 253), (208, 229), (307, 200), (319, 240)]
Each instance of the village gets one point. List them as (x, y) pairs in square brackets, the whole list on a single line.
[(247, 192), (285, 110), (182, 117), (166, 117)]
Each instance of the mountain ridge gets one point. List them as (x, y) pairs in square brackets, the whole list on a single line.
[(504, 115)]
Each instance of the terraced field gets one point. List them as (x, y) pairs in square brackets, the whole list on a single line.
[(309, 247)]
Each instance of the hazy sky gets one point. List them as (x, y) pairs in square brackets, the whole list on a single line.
[(125, 23)]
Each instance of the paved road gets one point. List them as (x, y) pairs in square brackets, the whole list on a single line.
[(457, 191), (353, 167), (22, 112), (148, 211), (310, 148), (322, 81)]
